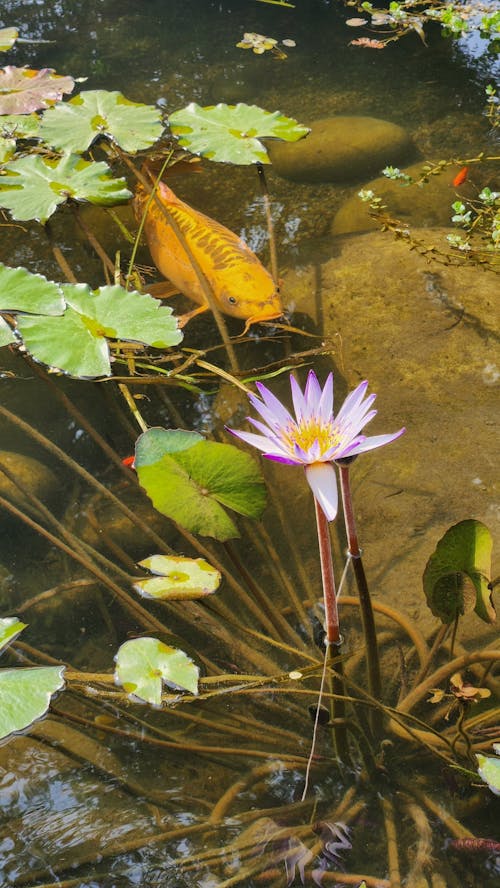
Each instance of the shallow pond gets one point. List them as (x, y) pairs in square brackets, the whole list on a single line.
[(107, 792)]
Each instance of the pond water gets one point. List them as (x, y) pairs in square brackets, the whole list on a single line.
[(110, 793)]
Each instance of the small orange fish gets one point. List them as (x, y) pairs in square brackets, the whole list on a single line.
[(460, 177), (242, 287)]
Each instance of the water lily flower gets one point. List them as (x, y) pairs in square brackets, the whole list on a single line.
[(315, 437)]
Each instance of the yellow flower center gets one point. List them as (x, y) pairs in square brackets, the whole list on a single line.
[(305, 433)]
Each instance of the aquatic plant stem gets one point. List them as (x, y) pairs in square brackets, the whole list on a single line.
[(333, 639), (367, 616), (269, 219), (392, 842), (332, 627)]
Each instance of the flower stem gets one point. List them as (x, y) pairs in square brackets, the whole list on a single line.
[(332, 627), (367, 616), (333, 638)]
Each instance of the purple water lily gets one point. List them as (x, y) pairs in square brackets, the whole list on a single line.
[(315, 437)]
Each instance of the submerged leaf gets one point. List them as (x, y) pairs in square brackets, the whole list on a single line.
[(191, 485), (178, 578), (142, 664), (489, 769), (33, 188), (21, 290), (462, 558), (25, 695), (231, 133), (23, 90), (10, 627), (74, 125)]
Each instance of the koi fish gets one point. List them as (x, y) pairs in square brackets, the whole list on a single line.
[(460, 177), (241, 286)]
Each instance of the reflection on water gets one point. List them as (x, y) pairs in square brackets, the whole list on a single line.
[(128, 793)]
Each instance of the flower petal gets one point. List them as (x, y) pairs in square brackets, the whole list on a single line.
[(299, 402), (279, 412), (325, 406), (375, 441), (312, 394), (262, 443), (323, 483), (353, 400)]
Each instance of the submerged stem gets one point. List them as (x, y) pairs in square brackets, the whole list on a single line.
[(367, 616)]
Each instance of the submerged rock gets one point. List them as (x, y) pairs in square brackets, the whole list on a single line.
[(424, 336), (31, 474), (341, 149), (427, 205)]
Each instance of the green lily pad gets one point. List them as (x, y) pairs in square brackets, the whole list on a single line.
[(8, 37), (191, 485), (460, 569), (10, 627), (489, 769), (7, 337), (7, 149), (33, 188), (144, 663), (21, 290), (178, 578), (74, 125), (77, 342), (23, 90), (231, 133), (19, 126), (25, 695)]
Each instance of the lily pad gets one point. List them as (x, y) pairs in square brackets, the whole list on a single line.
[(19, 126), (178, 578), (142, 664), (10, 627), (8, 37), (7, 337), (21, 290), (460, 568), (25, 695), (231, 133), (74, 125), (489, 769), (23, 89), (77, 342), (33, 188), (7, 149), (191, 485)]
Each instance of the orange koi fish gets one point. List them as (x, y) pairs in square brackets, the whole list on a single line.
[(460, 177), (242, 287)]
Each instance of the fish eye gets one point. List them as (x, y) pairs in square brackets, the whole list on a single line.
[(232, 300)]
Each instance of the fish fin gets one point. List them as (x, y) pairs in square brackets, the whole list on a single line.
[(182, 320), (161, 290)]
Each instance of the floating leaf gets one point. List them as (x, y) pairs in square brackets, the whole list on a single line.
[(489, 769), (77, 342), (19, 126), (368, 43), (143, 663), (21, 290), (6, 335), (25, 695), (462, 558), (74, 125), (33, 188), (8, 37), (23, 90), (193, 484), (7, 149), (10, 627), (178, 578), (231, 133)]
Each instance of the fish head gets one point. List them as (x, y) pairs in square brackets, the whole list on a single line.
[(253, 302)]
